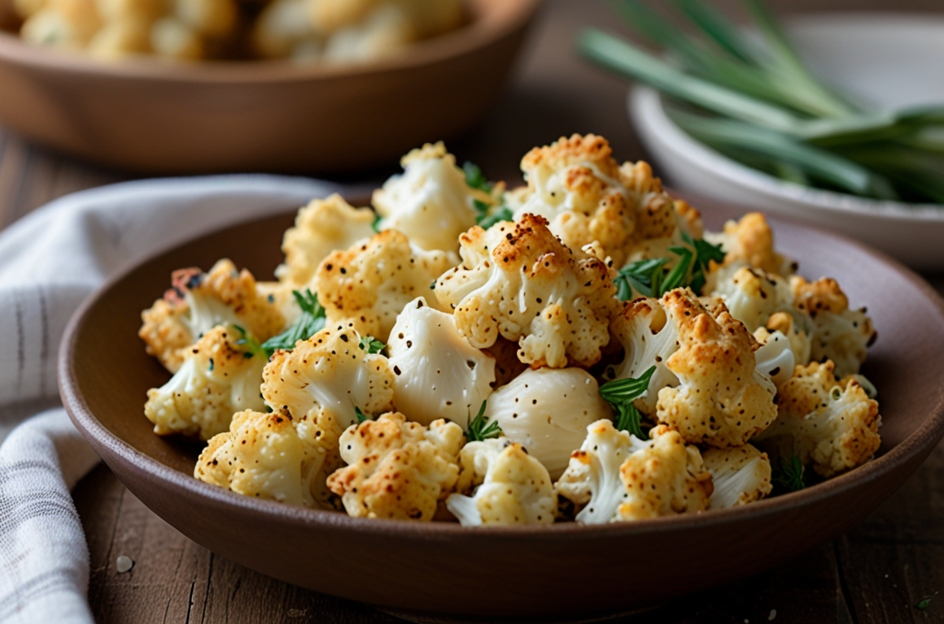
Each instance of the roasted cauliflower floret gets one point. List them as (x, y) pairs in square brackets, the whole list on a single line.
[(617, 477), (740, 475), (548, 411), (774, 358), (839, 334), (198, 302), (323, 226), (797, 327), (437, 373), (397, 469), (500, 484), (722, 400), (519, 281), (431, 202), (750, 240), (330, 373), (833, 425), (575, 184), (751, 295), (220, 376), (260, 455), (370, 283)]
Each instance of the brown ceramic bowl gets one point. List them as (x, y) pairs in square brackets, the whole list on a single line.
[(161, 118), (566, 570)]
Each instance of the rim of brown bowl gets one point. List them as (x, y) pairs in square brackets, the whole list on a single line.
[(501, 18), (921, 441)]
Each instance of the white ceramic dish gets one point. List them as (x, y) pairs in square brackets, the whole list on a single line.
[(888, 60)]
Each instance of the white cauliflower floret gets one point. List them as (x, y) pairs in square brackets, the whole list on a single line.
[(740, 475), (220, 376), (501, 484), (397, 469), (833, 424), (323, 226), (437, 373), (721, 400), (328, 374), (260, 455), (548, 410), (839, 334), (431, 202), (774, 358), (797, 327), (198, 302), (751, 295), (370, 283), (519, 281), (617, 477), (751, 240)]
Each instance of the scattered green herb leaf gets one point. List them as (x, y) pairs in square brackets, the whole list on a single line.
[(486, 220), (375, 224), (359, 415), (792, 473), (371, 344), (475, 178), (480, 429), (620, 394), (311, 321), (252, 346), (924, 603)]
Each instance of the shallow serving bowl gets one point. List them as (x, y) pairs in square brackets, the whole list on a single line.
[(885, 60), (156, 117), (563, 571)]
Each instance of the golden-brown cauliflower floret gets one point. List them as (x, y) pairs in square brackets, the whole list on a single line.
[(797, 327), (330, 373), (519, 281), (431, 202), (722, 400), (740, 475), (751, 295), (832, 424), (369, 284), (220, 376), (750, 240), (323, 226), (397, 469), (500, 484), (574, 184), (261, 455), (199, 301), (839, 334), (618, 477), (666, 478)]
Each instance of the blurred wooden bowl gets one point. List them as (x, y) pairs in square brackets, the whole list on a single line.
[(565, 571), (155, 117)]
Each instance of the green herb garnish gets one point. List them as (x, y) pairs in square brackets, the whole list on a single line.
[(375, 224), (620, 394), (792, 473), (252, 345), (475, 178), (486, 220), (359, 415), (311, 321), (924, 603), (651, 278), (371, 344), (480, 429)]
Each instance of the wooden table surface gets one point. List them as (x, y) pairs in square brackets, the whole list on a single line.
[(877, 572)]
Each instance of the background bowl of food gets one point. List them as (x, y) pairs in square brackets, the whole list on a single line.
[(853, 143), (193, 86)]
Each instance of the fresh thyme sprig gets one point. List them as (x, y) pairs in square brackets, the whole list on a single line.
[(481, 429), (651, 277), (310, 322), (487, 216), (792, 474), (620, 394)]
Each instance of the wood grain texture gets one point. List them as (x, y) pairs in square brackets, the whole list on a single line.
[(875, 573)]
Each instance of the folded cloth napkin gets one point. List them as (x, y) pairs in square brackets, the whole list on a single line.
[(50, 261)]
